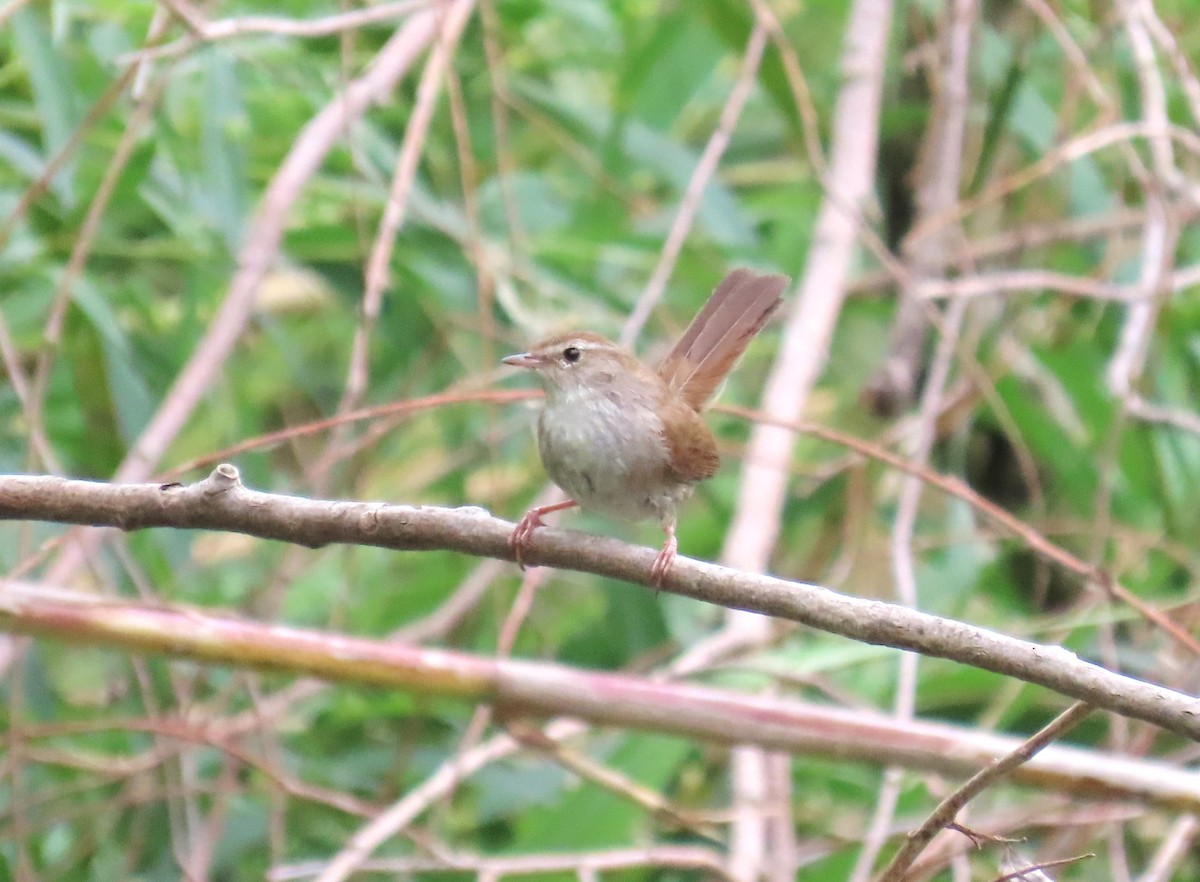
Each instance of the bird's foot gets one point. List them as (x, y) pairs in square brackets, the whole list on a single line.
[(522, 534), (666, 557)]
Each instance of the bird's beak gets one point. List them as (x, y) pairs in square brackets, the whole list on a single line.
[(523, 359)]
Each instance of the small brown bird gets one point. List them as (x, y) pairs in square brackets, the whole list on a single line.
[(627, 441)]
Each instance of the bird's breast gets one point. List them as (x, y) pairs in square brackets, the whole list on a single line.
[(606, 448)]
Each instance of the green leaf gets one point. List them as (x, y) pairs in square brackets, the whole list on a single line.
[(223, 126), (53, 93), (667, 68), (130, 395)]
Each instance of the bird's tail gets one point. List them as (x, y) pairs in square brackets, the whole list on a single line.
[(717, 337)]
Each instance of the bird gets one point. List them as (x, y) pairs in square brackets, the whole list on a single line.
[(629, 441)]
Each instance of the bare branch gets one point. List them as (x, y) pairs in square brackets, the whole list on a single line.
[(221, 502)]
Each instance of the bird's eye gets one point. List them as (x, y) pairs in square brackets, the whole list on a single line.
[(571, 354)]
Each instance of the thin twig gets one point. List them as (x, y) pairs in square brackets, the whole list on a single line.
[(1174, 849), (1024, 872), (937, 193), (37, 189), (451, 21), (258, 255), (1032, 280), (443, 781), (211, 31), (259, 250), (1101, 138), (706, 167), (809, 326), (949, 807), (809, 119), (82, 245), (1029, 534), (806, 337), (679, 857), (614, 781), (501, 99), (10, 357)]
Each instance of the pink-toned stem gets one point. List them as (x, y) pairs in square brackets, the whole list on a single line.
[(518, 687), (222, 502)]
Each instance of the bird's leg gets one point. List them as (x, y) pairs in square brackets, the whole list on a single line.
[(523, 532), (666, 557)]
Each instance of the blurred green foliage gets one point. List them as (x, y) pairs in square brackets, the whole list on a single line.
[(598, 112)]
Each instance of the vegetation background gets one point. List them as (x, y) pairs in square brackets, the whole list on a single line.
[(223, 220)]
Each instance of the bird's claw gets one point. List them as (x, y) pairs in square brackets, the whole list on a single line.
[(523, 533), (662, 563)]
